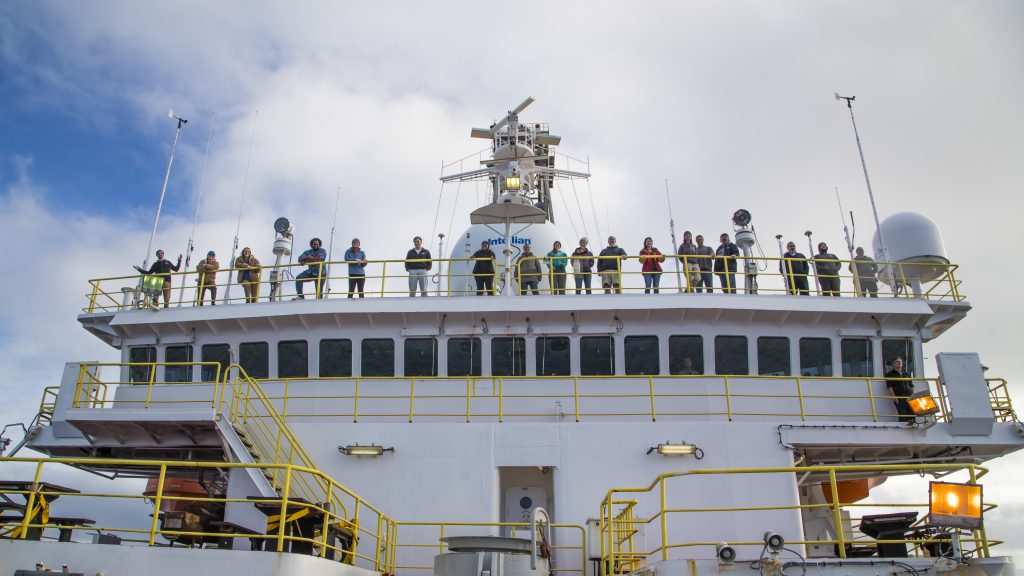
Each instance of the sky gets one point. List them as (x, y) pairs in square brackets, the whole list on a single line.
[(730, 102)]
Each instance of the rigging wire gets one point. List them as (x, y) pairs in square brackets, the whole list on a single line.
[(593, 210), (579, 208), (195, 221), (568, 214), (241, 205)]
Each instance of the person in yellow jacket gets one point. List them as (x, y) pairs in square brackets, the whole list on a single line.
[(207, 269), (248, 275)]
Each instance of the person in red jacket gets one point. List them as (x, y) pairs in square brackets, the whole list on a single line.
[(650, 265)]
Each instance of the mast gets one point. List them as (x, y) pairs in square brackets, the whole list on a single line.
[(195, 220)]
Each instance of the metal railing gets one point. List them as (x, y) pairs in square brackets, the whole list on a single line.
[(568, 539), (478, 398), (454, 277), (620, 516), (366, 534)]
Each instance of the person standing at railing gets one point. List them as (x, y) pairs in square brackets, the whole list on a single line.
[(557, 261), (483, 269), (867, 273), (901, 388), (528, 271), (582, 265), (609, 267), (650, 266), (417, 263), (317, 272), (691, 269), (705, 258), (827, 265), (356, 259), (725, 264), (795, 268), (163, 268), (248, 275), (207, 269)]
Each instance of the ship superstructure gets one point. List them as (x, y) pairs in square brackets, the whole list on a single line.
[(668, 433)]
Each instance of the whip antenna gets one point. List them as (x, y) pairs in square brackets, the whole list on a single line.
[(195, 221), (849, 242), (672, 232), (330, 247), (241, 205)]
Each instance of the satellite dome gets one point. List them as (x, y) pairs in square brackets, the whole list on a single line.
[(915, 241)]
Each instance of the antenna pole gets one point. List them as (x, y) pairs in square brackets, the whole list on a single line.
[(784, 266), (810, 261), (163, 191), (672, 232), (871, 194), (195, 220), (330, 247), (241, 206), (849, 243), (440, 263)]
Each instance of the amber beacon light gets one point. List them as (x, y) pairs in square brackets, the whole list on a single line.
[(955, 505), (923, 404)]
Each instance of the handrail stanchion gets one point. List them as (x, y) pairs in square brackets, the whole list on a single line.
[(156, 504), (871, 399), (576, 396), (650, 387), (324, 531), (837, 517), (31, 501), (283, 520), (501, 398), (95, 293), (152, 378), (800, 397), (383, 276), (412, 396), (982, 545), (664, 521), (469, 392), (728, 399), (355, 401)]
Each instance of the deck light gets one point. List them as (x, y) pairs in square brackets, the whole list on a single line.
[(512, 182), (364, 450), (922, 404), (773, 541), (726, 554), (955, 505), (681, 449)]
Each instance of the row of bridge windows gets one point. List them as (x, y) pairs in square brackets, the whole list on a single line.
[(553, 357)]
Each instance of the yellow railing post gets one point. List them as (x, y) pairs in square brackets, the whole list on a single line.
[(379, 542), (92, 298), (664, 520), (383, 277), (501, 398), (469, 392), (800, 396), (871, 399), (837, 517), (650, 388), (728, 399), (576, 396), (30, 503), (285, 492), (979, 535), (156, 504), (152, 379), (325, 532), (355, 402), (412, 396)]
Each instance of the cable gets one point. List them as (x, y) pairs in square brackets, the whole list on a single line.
[(579, 208), (802, 563)]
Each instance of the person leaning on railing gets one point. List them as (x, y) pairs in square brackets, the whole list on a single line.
[(725, 264), (794, 268), (207, 269), (483, 269), (316, 271), (827, 265), (356, 259), (417, 263), (556, 261), (528, 271), (162, 267), (582, 265), (650, 266), (248, 274), (867, 273), (691, 267), (609, 263)]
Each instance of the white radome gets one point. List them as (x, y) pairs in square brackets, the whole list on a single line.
[(541, 238), (912, 238)]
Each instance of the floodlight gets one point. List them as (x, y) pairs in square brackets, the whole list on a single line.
[(955, 505), (364, 450), (283, 226), (512, 182), (726, 554), (741, 218), (922, 404), (681, 449), (773, 541)]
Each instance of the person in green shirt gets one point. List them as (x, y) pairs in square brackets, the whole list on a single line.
[(556, 261)]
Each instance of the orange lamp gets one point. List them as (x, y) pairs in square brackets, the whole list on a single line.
[(922, 404), (955, 505)]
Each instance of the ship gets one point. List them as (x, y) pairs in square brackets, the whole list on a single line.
[(452, 427)]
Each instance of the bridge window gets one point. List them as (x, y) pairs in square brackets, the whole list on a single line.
[(336, 358), (141, 355), (773, 356), (177, 373), (856, 356), (464, 356), (378, 357), (815, 357), (293, 359), (597, 355), (686, 355), (642, 355), (731, 355), (219, 353), (421, 357), (553, 356), (903, 347), (508, 356), (254, 358)]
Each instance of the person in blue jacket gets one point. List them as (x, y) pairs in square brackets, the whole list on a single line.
[(356, 259)]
